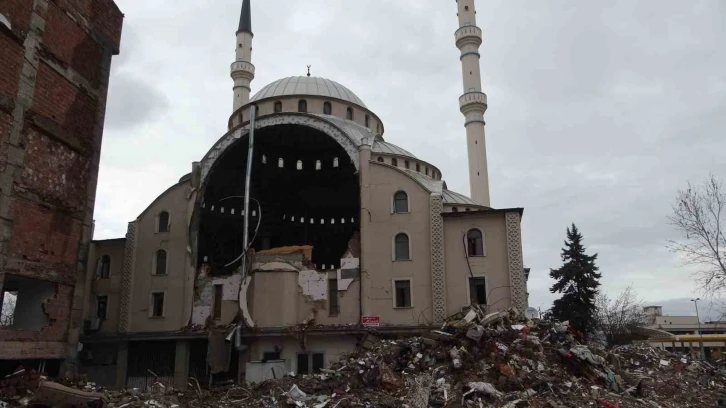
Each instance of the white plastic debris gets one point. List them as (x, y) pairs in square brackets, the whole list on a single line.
[(296, 393), (518, 327), (664, 362), (484, 388)]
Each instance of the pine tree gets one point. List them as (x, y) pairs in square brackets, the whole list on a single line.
[(578, 281)]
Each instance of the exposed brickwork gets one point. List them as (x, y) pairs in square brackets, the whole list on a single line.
[(18, 12), (57, 99), (68, 42), (57, 308), (12, 57), (55, 172)]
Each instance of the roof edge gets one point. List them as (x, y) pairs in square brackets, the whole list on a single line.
[(520, 210)]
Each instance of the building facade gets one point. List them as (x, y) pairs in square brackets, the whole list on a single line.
[(347, 230), (55, 58), (687, 335)]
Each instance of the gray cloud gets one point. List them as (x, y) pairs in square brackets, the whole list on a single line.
[(598, 112)]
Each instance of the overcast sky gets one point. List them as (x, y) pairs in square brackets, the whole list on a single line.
[(598, 111)]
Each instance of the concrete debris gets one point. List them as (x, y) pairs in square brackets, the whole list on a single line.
[(509, 362)]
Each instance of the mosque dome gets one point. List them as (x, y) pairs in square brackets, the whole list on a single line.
[(308, 86)]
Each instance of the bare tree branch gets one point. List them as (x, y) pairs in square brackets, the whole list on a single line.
[(697, 214), (616, 317)]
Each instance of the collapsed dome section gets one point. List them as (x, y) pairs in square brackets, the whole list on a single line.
[(304, 190)]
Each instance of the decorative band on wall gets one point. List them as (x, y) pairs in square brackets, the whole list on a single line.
[(516, 264), (438, 281)]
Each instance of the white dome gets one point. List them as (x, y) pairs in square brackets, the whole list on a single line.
[(312, 86)]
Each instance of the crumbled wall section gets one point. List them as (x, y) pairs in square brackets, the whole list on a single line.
[(516, 265), (314, 285), (204, 294), (53, 85)]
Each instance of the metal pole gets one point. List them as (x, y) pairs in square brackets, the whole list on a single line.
[(700, 332), (250, 149)]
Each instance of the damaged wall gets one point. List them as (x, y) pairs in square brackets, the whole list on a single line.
[(111, 286), (204, 289), (53, 86)]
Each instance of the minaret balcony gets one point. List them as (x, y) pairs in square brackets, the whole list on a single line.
[(242, 67), (468, 35), (473, 101)]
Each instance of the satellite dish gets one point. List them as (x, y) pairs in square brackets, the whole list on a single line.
[(531, 313)]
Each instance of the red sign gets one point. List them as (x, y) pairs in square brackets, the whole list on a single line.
[(371, 321)]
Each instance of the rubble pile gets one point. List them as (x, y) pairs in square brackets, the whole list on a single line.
[(475, 360)]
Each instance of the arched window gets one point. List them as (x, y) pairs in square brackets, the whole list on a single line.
[(427, 171), (454, 209), (380, 159), (368, 121), (335, 162), (163, 222), (400, 202), (105, 267), (160, 263), (264, 159), (327, 108), (394, 162), (401, 248), (302, 105), (475, 242), (278, 107), (299, 165), (349, 113), (318, 165), (280, 162), (418, 167), (406, 164)]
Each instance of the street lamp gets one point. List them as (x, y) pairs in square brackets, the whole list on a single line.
[(700, 333)]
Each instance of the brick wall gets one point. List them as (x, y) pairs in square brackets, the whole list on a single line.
[(53, 86)]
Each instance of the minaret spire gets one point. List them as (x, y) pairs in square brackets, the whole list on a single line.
[(243, 72), (473, 103)]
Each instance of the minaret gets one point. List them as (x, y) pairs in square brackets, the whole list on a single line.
[(243, 72), (473, 103)]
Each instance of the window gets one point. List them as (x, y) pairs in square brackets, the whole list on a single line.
[(327, 108), (349, 114), (418, 167), (378, 127), (406, 164), (217, 311), (401, 248), (160, 264), (157, 304), (318, 165), (304, 361), (335, 162), (270, 356), (8, 303), (380, 159), (105, 269), (400, 202), (101, 306), (475, 242), (478, 290), (427, 171), (402, 293), (264, 159), (302, 105), (333, 306), (368, 121), (454, 209), (278, 107), (394, 162), (163, 222), (280, 162), (299, 165)]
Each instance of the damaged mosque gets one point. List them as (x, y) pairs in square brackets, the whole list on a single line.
[(347, 231)]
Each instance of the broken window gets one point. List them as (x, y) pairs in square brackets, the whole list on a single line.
[(402, 292), (327, 108), (302, 105), (475, 242), (105, 267), (157, 304), (333, 306), (478, 290), (400, 202), (101, 306), (160, 264), (401, 248), (217, 312), (23, 302), (163, 222)]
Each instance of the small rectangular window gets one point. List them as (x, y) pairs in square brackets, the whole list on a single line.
[(403, 293), (303, 364), (217, 312), (101, 307), (271, 356), (157, 304), (478, 291), (318, 362), (333, 306)]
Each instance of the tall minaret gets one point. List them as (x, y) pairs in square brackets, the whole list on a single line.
[(243, 72), (473, 103)]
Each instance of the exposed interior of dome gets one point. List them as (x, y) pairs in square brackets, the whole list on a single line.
[(303, 185)]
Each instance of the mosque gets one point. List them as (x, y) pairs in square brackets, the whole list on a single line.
[(346, 231)]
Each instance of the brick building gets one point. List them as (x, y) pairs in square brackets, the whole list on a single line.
[(55, 58)]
